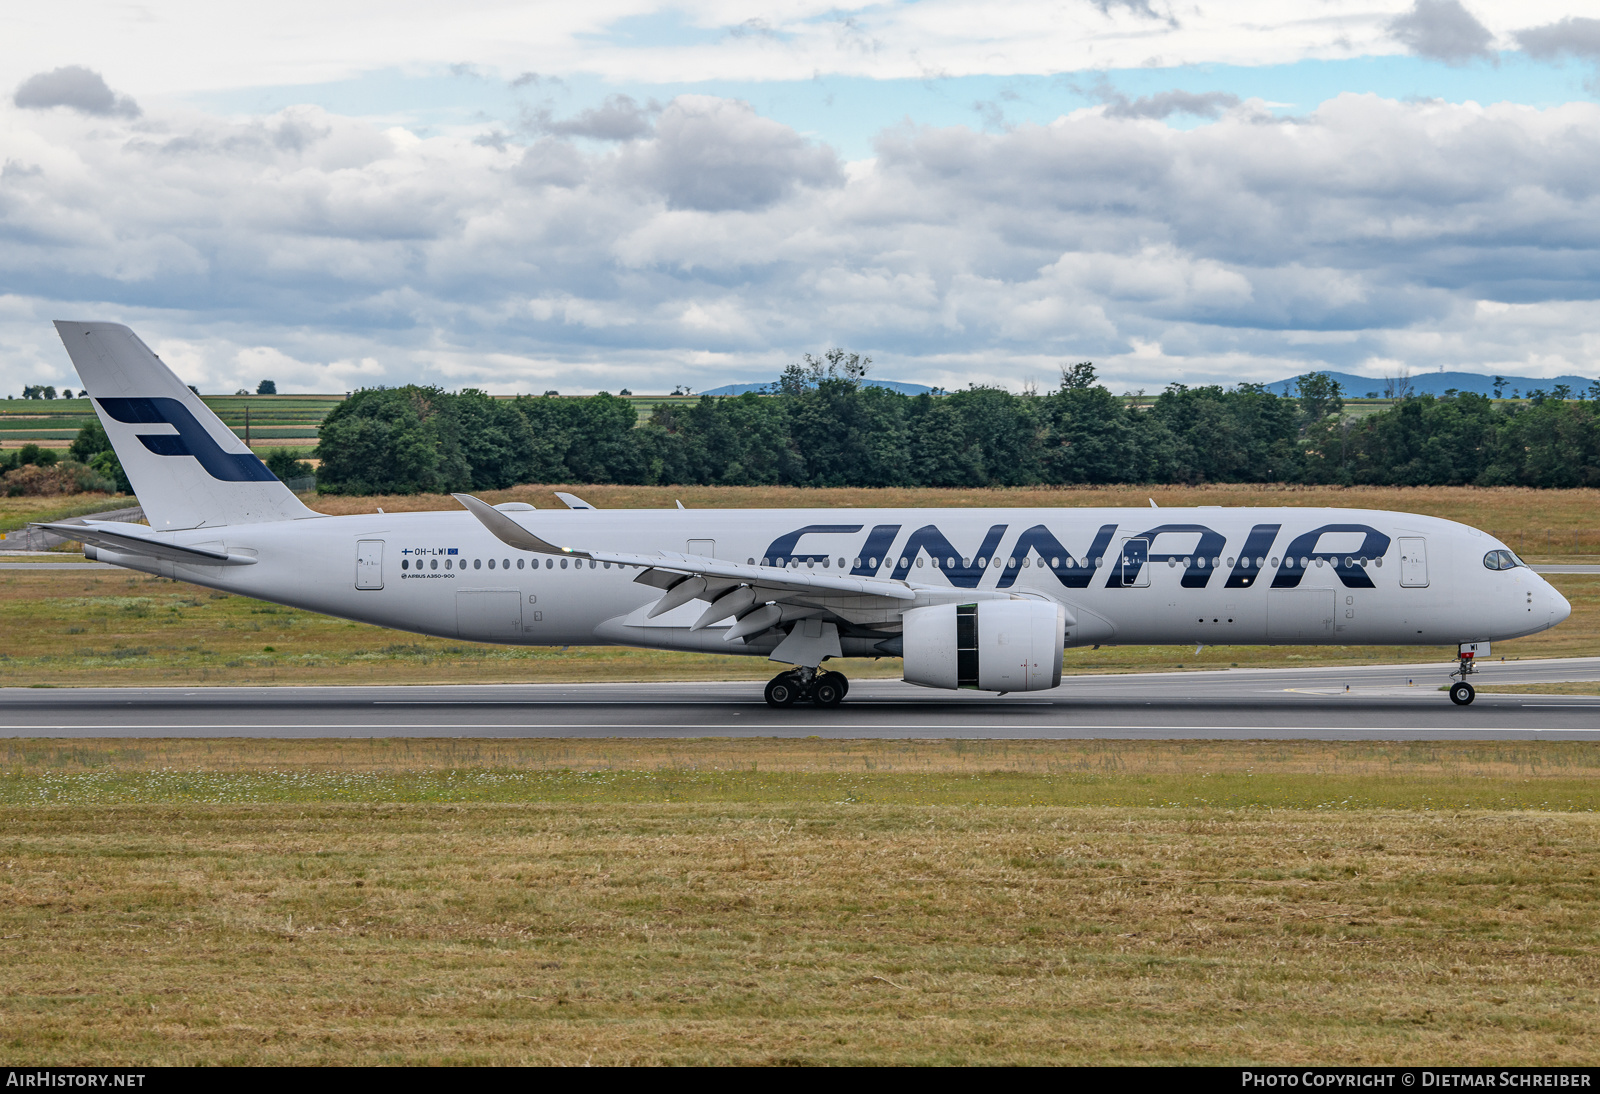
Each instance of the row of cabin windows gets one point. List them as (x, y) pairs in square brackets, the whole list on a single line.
[(1068, 563), (1494, 560), (505, 564), (949, 563)]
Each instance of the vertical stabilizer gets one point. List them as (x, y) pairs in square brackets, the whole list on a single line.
[(187, 468)]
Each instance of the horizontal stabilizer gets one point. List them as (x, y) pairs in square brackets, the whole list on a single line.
[(118, 538)]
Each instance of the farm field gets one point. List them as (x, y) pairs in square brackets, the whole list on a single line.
[(460, 901), (275, 421)]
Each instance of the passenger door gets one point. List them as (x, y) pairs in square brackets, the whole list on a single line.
[(369, 564), (1131, 566), (1414, 563)]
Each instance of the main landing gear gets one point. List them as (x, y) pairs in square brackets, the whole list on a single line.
[(1461, 692), (825, 689)]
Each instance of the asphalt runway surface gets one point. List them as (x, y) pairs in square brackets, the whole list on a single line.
[(1394, 702)]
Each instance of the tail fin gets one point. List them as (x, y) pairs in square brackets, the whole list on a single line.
[(187, 468)]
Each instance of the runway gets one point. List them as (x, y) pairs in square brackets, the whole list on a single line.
[(1395, 702)]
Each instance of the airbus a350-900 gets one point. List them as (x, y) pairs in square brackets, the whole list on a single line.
[(970, 598)]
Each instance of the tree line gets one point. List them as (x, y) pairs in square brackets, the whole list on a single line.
[(823, 427)]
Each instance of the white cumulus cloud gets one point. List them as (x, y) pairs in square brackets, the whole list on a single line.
[(715, 244)]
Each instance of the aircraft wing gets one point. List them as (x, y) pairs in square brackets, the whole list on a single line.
[(683, 577), (136, 539)]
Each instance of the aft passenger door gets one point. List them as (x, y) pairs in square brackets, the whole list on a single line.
[(1413, 563), (369, 564)]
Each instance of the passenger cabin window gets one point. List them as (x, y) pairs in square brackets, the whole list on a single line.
[(1501, 560)]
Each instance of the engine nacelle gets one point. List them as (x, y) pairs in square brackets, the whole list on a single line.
[(993, 645)]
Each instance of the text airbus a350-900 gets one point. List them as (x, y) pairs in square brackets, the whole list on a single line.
[(971, 598)]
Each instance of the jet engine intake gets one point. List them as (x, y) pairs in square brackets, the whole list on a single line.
[(993, 645)]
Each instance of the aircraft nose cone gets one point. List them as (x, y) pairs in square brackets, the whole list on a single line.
[(1560, 608)]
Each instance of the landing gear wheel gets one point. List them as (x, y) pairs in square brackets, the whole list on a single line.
[(1462, 693), (826, 692), (782, 690), (839, 680)]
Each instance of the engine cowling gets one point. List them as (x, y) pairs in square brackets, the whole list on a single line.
[(993, 645)]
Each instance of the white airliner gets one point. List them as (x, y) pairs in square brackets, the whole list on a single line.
[(970, 598)]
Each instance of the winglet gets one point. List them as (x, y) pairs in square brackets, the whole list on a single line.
[(508, 531)]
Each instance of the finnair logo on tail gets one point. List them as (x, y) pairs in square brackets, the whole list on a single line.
[(190, 440)]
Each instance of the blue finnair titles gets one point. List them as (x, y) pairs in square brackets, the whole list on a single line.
[(1198, 548)]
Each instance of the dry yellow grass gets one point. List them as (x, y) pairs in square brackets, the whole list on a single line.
[(1575, 687), (1456, 764), (810, 911)]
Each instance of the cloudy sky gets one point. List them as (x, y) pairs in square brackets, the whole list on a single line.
[(623, 193)]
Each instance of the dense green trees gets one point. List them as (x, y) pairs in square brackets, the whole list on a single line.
[(92, 448), (823, 427)]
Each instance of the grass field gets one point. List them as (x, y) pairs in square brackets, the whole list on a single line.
[(1572, 687), (798, 902)]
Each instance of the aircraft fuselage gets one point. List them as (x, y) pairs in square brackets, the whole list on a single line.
[(1234, 576)]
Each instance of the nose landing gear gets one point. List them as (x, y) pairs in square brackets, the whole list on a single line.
[(1461, 692), (825, 689)]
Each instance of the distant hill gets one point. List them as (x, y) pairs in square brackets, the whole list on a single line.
[(772, 385), (1437, 383)]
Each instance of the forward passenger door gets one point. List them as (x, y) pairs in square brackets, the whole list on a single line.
[(1413, 563)]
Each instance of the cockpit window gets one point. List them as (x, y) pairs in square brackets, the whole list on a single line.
[(1501, 560)]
